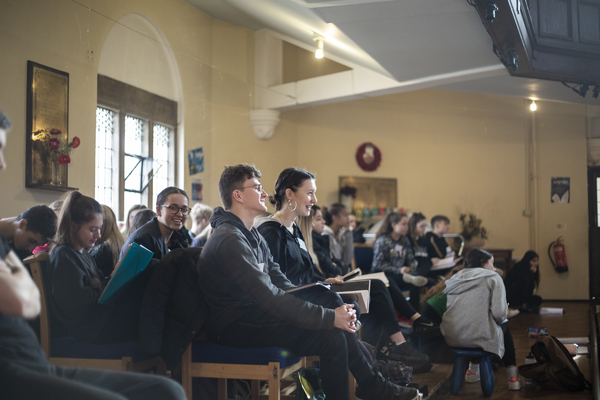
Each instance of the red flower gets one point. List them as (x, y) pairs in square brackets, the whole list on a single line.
[(64, 159), (55, 131), (54, 143), (76, 142)]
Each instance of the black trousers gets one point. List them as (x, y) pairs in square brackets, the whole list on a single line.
[(382, 307), (50, 382), (521, 292), (415, 292), (339, 350)]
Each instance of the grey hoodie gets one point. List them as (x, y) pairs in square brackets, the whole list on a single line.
[(476, 307), (238, 274)]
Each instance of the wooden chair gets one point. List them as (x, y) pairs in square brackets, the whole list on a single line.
[(109, 360), (273, 372)]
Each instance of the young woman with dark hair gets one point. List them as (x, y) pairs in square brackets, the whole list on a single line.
[(476, 314), (294, 197), (127, 230), (166, 231), (341, 240), (76, 283), (521, 282), (106, 251), (393, 255)]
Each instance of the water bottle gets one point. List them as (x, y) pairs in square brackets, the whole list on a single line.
[(530, 359)]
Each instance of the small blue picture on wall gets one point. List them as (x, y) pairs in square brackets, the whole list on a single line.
[(196, 161)]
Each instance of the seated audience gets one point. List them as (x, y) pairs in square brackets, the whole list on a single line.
[(476, 314), (25, 373), (200, 215), (249, 306), (200, 240), (33, 228), (357, 234), (142, 218), (166, 231), (55, 206), (392, 255), (416, 233), (126, 231), (522, 281), (106, 251), (341, 243), (437, 247), (320, 245), (75, 283)]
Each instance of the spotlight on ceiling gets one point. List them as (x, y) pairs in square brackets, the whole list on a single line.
[(533, 106), (319, 53), (490, 11)]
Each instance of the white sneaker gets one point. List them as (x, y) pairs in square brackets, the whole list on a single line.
[(472, 377), (415, 280), (512, 313), (514, 383)]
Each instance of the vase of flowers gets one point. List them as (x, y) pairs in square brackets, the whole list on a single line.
[(55, 148), (474, 233)]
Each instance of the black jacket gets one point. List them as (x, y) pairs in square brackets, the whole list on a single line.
[(150, 237), (173, 310), (239, 274), (321, 249), (287, 251)]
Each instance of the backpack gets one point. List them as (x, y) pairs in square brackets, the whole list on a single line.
[(555, 368)]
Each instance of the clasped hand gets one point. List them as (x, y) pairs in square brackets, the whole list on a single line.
[(345, 318)]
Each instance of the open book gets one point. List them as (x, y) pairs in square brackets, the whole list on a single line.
[(134, 261), (367, 277), (359, 291)]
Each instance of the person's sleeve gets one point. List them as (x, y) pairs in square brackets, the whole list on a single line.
[(431, 247), (348, 249), (70, 289), (381, 257), (499, 307), (410, 260), (239, 264), (273, 239), (148, 242)]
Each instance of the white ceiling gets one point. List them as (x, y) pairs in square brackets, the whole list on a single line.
[(406, 40)]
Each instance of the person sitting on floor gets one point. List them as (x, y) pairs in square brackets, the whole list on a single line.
[(166, 231), (248, 305), (33, 228), (106, 251), (476, 314), (522, 281)]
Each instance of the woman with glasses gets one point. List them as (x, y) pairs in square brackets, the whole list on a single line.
[(166, 231), (76, 283)]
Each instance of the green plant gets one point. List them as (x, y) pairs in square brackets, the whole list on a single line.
[(471, 227)]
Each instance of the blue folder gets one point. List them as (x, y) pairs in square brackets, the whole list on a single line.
[(134, 262)]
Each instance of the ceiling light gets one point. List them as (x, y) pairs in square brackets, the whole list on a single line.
[(320, 45), (533, 106)]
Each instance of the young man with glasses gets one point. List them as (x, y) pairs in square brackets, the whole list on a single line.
[(166, 231), (249, 307)]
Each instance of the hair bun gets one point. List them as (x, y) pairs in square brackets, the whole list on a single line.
[(272, 199)]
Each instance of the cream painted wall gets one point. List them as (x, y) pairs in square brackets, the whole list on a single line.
[(457, 152)]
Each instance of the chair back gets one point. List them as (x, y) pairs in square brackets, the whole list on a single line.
[(35, 266)]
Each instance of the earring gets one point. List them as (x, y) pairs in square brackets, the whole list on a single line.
[(290, 205)]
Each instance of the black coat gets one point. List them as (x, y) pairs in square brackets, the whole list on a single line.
[(149, 236), (173, 310)]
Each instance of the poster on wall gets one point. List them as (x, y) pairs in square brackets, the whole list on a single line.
[(560, 190), (197, 189), (196, 161)]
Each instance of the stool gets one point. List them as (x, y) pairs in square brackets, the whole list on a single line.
[(460, 367)]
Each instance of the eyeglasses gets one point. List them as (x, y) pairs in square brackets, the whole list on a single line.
[(258, 188), (175, 209)]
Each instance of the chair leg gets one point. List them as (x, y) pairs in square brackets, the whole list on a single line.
[(458, 375), (186, 377), (255, 389), (274, 383), (487, 376), (222, 389)]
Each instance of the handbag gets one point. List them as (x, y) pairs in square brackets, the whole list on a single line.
[(309, 385)]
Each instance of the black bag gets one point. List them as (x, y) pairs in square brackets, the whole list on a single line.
[(309, 385), (555, 368)]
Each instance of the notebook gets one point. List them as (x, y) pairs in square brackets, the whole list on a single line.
[(358, 291), (133, 263)]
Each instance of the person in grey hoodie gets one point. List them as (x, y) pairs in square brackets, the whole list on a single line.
[(476, 314), (245, 291)]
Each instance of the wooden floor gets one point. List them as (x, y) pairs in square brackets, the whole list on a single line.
[(574, 322)]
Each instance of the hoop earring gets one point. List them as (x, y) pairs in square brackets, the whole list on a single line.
[(290, 204)]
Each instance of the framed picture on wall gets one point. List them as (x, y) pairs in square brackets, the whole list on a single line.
[(47, 127)]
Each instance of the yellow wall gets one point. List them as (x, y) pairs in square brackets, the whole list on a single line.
[(457, 152), (450, 151)]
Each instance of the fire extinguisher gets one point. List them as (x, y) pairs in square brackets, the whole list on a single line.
[(559, 255)]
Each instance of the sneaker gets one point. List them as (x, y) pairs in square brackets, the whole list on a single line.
[(529, 309), (472, 377), (384, 389), (407, 354), (512, 313), (415, 280), (514, 383), (423, 327)]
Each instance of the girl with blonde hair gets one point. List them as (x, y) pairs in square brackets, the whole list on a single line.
[(106, 251)]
